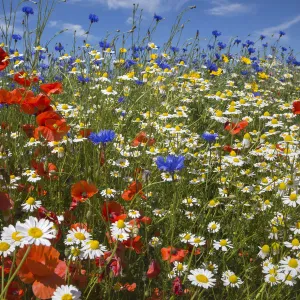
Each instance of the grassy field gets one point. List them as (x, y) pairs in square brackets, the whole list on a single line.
[(129, 171)]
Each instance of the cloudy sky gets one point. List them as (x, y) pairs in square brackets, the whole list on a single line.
[(242, 18)]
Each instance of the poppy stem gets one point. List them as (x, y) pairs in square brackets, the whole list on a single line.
[(3, 291)]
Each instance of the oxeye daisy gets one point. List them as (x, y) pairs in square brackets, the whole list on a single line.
[(6, 249), (134, 214), (120, 236), (34, 178), (66, 292), (31, 204), (223, 244), (264, 251), (230, 279), (294, 244), (202, 278), (179, 268), (109, 91), (108, 193), (213, 227), (186, 237), (75, 253), (12, 236), (37, 232), (287, 278), (292, 200), (92, 249), (120, 227), (78, 235), (197, 241), (291, 265)]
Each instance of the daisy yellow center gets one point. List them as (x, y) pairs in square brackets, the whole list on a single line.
[(231, 109), (94, 244), (80, 236), (75, 252), (267, 202), (4, 246), (293, 197), (12, 176), (35, 232), (265, 249), (33, 175), (197, 240), (223, 243), (295, 242), (15, 236), (187, 237), (180, 267), (30, 201), (233, 279), (213, 226), (274, 121), (65, 106), (109, 89), (236, 160), (67, 297), (212, 202), (282, 186), (120, 224), (298, 225), (293, 263), (272, 279), (202, 278), (289, 278)]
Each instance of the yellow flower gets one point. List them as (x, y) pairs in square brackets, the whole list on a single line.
[(246, 60), (123, 50), (262, 75), (216, 73), (225, 58)]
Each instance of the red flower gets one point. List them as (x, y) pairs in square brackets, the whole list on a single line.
[(113, 211), (23, 79), (235, 128), (15, 291), (51, 125), (36, 105), (28, 129), (133, 189), (177, 286), (81, 191), (171, 254), (142, 138), (134, 243), (5, 96), (52, 88), (153, 270), (42, 170), (3, 55), (5, 202), (41, 268), (20, 95), (296, 107)]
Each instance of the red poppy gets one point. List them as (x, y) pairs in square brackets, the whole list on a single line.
[(134, 243), (5, 96), (82, 190), (28, 129), (52, 88), (51, 125), (113, 211), (3, 55), (85, 132), (142, 138), (20, 95), (42, 170), (36, 105), (153, 270), (134, 188), (15, 291), (296, 107), (5, 202), (235, 128), (41, 268), (23, 79), (130, 287), (171, 254)]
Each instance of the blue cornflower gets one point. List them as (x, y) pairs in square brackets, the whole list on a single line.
[(218, 56), (139, 82), (104, 44), (121, 99), (209, 137), (83, 79), (16, 37), (174, 49), (216, 33), (251, 50), (211, 66), (221, 45), (210, 47), (237, 41), (244, 72), (157, 17), (93, 18), (103, 136), (171, 164), (262, 37), (281, 33), (283, 49), (59, 47), (184, 50), (265, 45), (27, 10), (249, 43), (129, 63)]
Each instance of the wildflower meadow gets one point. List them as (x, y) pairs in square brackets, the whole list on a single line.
[(132, 170)]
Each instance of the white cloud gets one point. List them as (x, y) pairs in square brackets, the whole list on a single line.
[(225, 8), (269, 31), (150, 6), (53, 23)]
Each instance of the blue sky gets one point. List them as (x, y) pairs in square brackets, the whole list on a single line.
[(232, 17)]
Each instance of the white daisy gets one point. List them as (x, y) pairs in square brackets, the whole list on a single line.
[(12, 236), (202, 278), (78, 235), (37, 232), (6, 249), (92, 249), (66, 292), (230, 279), (224, 244), (31, 204)]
